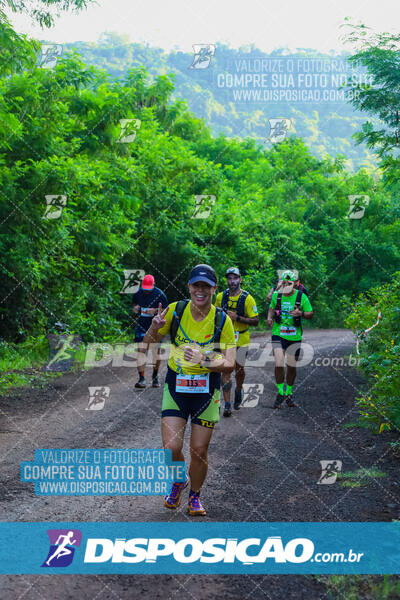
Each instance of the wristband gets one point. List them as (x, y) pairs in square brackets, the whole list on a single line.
[(302, 313), (238, 318)]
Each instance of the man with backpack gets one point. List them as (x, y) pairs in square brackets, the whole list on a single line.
[(202, 347), (241, 307), (288, 307)]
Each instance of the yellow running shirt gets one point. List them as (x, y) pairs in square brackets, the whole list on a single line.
[(250, 310), (199, 331)]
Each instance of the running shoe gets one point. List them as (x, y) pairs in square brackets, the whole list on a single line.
[(156, 382), (141, 383), (227, 409), (289, 400), (195, 507), (173, 499), (238, 399), (278, 401)]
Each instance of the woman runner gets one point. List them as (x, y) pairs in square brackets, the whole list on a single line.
[(192, 384)]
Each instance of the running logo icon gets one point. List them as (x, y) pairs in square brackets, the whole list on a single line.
[(98, 396), (357, 206), (202, 56), (329, 471), (62, 349), (49, 54), (128, 130), (278, 129), (54, 206), (63, 543), (204, 203), (251, 394), (133, 279)]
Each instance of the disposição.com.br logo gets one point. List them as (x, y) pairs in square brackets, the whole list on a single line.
[(247, 551)]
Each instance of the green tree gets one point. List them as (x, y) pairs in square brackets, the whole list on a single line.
[(379, 54), (39, 10), (131, 205), (379, 352)]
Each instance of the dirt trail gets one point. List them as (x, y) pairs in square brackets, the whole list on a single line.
[(264, 466)]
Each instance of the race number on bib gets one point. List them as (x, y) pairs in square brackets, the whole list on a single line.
[(193, 383), (288, 330)]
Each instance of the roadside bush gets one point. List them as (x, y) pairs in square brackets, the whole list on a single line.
[(380, 352)]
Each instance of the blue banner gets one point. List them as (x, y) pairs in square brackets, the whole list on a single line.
[(195, 548), (102, 472)]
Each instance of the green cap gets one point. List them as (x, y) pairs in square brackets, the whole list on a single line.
[(289, 275)]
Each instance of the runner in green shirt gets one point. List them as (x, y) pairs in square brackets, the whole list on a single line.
[(288, 307)]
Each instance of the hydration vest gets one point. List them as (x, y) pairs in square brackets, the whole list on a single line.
[(301, 288), (240, 303), (278, 309), (219, 321)]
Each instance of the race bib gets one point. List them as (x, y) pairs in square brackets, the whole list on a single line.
[(288, 330), (199, 384), (145, 312), (237, 336)]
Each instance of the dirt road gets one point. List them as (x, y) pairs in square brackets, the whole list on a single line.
[(264, 466)]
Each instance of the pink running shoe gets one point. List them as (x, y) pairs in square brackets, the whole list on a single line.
[(195, 507), (174, 497)]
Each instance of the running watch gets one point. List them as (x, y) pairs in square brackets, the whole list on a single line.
[(206, 360)]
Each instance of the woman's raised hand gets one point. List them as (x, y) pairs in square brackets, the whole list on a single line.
[(158, 319)]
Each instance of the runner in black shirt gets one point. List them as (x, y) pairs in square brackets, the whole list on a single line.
[(146, 301)]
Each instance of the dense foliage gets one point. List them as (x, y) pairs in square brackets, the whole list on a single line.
[(325, 126), (131, 205), (379, 54), (380, 351), (380, 404)]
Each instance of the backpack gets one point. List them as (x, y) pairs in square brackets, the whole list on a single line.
[(219, 321), (278, 309), (240, 303), (302, 289)]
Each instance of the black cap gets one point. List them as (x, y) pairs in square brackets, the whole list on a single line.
[(203, 273), (232, 271)]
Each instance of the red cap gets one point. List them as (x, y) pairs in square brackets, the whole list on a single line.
[(148, 282)]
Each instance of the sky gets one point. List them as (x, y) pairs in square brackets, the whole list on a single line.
[(179, 24)]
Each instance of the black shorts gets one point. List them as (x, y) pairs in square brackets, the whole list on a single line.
[(280, 342), (140, 333), (203, 409)]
